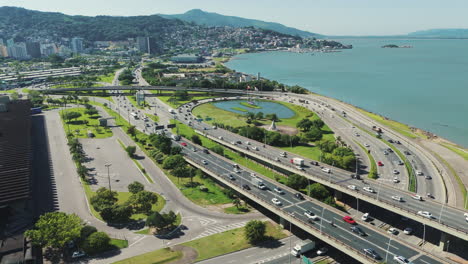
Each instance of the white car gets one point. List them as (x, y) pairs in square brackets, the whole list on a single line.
[(247, 142), (397, 198), (310, 215), (78, 254), (255, 148), (425, 214), (236, 170), (283, 154), (322, 251), (299, 168), (396, 180), (367, 145), (365, 217), (352, 187), (466, 216), (327, 170), (368, 189), (419, 173), (395, 172), (417, 197), (220, 137), (408, 231), (401, 260), (278, 190), (276, 201), (204, 162), (392, 231)]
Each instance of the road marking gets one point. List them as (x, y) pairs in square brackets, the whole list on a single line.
[(345, 238), (137, 241)]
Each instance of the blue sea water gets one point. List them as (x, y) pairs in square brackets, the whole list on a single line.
[(425, 86), (265, 107)]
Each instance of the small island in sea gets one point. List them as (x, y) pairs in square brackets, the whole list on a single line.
[(396, 46)]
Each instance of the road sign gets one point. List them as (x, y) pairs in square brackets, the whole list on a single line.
[(305, 260)]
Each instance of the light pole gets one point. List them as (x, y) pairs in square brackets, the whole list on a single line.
[(290, 238), (388, 247), (441, 210), (108, 175), (378, 193), (321, 219), (424, 233)]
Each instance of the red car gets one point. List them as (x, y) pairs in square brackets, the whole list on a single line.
[(183, 144), (379, 163), (349, 219)]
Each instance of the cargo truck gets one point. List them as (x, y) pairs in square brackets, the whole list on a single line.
[(302, 247), (258, 183), (298, 162)]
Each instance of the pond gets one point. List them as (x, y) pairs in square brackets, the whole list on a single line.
[(237, 107)]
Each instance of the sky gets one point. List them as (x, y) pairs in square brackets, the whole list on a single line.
[(328, 17)]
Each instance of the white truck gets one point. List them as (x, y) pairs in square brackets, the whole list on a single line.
[(297, 161), (258, 183), (302, 247)]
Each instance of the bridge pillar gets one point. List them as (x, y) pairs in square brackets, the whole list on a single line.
[(338, 194), (283, 222), (444, 241)]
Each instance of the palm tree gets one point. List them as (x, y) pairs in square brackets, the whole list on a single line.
[(132, 131), (237, 202)]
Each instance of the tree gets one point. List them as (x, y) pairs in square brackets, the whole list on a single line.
[(96, 242), (131, 130), (181, 171), (14, 96), (71, 116), (161, 221), (237, 202), (85, 100), (135, 187), (218, 150), (117, 213), (318, 191), (86, 231), (91, 111), (255, 231), (103, 198), (130, 151), (314, 134), (272, 117), (259, 115), (304, 124), (142, 201), (196, 139), (161, 142), (296, 182), (36, 98), (173, 162), (55, 229)]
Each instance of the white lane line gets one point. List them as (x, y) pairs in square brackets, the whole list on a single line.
[(345, 238), (137, 241)]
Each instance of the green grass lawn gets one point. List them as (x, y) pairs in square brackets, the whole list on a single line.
[(109, 78), (82, 128), (219, 115), (235, 210), (373, 169), (229, 241), (160, 256), (305, 151), (250, 105), (146, 231), (153, 117), (7, 91), (239, 109), (462, 152), (158, 206), (167, 98), (119, 243)]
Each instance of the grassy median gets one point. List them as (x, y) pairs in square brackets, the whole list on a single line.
[(160, 256)]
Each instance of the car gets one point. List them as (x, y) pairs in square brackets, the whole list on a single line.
[(368, 189), (430, 195), (233, 143), (322, 251), (390, 140), (204, 162), (385, 152), (397, 198), (407, 152), (366, 145), (247, 142), (235, 165), (327, 170), (408, 231), (352, 187), (396, 180), (278, 190), (78, 254), (401, 260), (299, 168), (356, 134), (236, 170), (206, 151), (277, 159), (349, 219), (183, 144), (372, 253), (276, 201), (395, 172), (255, 148), (400, 162), (466, 216), (220, 137), (392, 231), (365, 217), (419, 173), (252, 174), (299, 196), (314, 163), (310, 215), (398, 142), (246, 187), (427, 177), (390, 150), (425, 214), (283, 154), (231, 177), (379, 163), (417, 197), (358, 230)]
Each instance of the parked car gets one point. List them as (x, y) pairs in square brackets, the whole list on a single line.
[(78, 254), (396, 172), (365, 217), (392, 231), (408, 231), (379, 163), (322, 251), (396, 180)]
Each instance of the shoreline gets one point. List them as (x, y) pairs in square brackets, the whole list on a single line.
[(417, 131)]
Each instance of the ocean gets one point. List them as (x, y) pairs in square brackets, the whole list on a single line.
[(425, 86)]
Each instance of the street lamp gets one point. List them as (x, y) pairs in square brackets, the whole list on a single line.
[(424, 233), (290, 238), (388, 247), (108, 175), (321, 219)]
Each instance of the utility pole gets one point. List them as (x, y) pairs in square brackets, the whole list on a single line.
[(108, 175)]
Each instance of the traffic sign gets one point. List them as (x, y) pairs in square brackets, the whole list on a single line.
[(305, 260)]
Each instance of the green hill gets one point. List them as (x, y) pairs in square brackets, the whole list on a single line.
[(460, 33), (201, 17)]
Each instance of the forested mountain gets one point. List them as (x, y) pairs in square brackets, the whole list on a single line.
[(24, 23), (201, 17), (441, 33)]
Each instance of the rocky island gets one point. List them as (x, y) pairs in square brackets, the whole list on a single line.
[(396, 46)]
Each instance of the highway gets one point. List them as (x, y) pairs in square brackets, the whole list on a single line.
[(340, 180), (296, 208)]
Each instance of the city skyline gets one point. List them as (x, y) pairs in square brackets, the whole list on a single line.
[(335, 17)]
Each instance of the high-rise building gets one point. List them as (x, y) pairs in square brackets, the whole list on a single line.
[(146, 45), (33, 49), (20, 51), (77, 45), (3, 51)]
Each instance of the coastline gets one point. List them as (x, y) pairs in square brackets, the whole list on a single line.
[(420, 133)]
